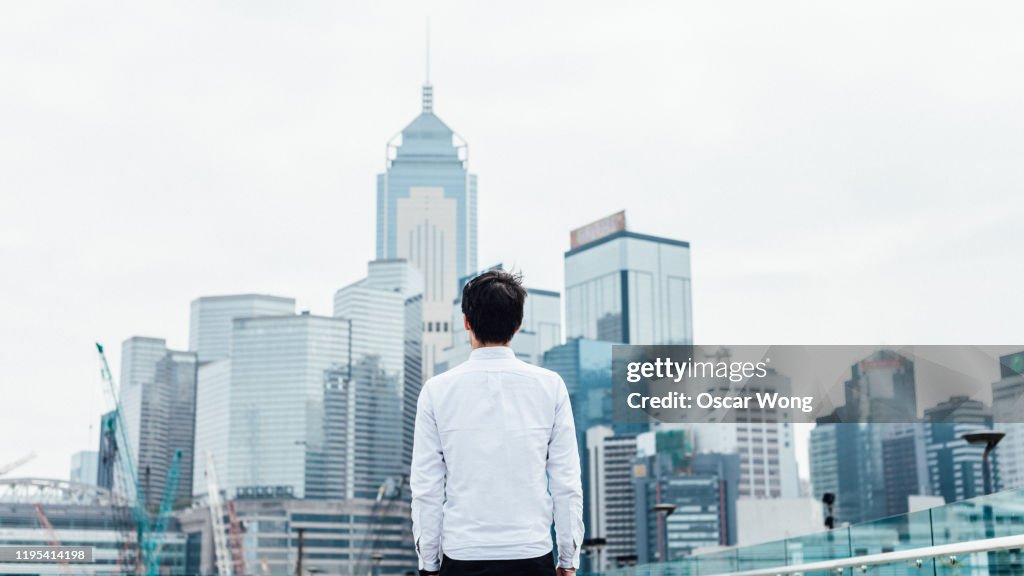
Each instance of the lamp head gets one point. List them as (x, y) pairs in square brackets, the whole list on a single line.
[(983, 437)]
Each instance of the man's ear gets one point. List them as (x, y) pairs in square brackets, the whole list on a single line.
[(465, 322)]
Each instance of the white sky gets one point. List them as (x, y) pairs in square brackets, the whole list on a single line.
[(846, 172)]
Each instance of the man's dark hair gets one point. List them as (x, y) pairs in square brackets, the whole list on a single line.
[(493, 304)]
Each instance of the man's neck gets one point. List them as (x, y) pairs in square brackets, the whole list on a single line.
[(476, 345)]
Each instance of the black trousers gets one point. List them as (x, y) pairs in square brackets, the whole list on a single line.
[(540, 566)]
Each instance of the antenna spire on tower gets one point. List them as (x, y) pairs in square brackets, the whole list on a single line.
[(428, 89)]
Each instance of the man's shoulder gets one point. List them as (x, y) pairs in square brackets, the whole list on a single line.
[(470, 369), (440, 379), (538, 371), (450, 375)]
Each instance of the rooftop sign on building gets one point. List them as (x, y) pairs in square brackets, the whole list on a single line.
[(599, 229)]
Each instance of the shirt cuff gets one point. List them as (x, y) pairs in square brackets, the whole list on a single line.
[(429, 566)]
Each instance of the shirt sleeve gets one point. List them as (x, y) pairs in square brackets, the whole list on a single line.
[(426, 482), (564, 482)]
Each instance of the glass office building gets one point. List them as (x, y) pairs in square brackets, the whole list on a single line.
[(158, 403), (905, 465), (630, 288), (210, 327), (106, 459), (262, 410), (213, 420), (954, 466), (84, 466), (370, 409), (1007, 406), (586, 367), (850, 457), (704, 496), (763, 439), (426, 213), (610, 486)]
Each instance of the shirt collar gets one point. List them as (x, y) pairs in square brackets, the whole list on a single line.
[(492, 353)]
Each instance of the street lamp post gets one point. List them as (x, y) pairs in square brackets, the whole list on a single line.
[(301, 532), (592, 547), (664, 510), (988, 439)]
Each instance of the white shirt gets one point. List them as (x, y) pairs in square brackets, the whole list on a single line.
[(494, 462)]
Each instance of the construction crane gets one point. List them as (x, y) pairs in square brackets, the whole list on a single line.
[(153, 545), (220, 544), (121, 513), (125, 473), (149, 532), (7, 468), (388, 494), (237, 550), (52, 534)]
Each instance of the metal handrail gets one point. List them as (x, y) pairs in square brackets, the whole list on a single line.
[(947, 551)]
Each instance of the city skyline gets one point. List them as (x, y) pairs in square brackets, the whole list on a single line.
[(135, 274)]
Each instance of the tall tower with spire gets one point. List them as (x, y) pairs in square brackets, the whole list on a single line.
[(426, 214)]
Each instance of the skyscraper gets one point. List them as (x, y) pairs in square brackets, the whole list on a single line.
[(542, 321), (621, 286), (905, 465), (85, 467), (824, 460), (847, 450), (369, 410), (881, 388), (612, 501), (158, 403), (426, 214), (763, 439), (846, 460), (954, 466), (210, 326), (586, 367), (262, 409), (107, 454), (213, 420), (1007, 407), (704, 497)]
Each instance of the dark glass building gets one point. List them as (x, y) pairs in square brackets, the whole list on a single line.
[(954, 466)]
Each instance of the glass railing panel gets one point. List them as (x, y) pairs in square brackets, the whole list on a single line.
[(1000, 514), (913, 530), (1001, 563), (766, 555), (721, 562), (997, 515), (817, 547), (978, 564)]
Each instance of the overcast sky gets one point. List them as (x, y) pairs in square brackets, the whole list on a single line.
[(845, 172)]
